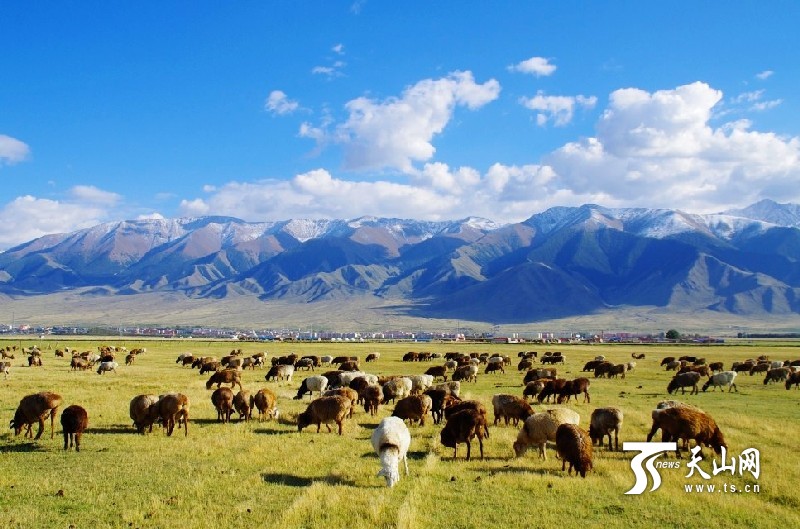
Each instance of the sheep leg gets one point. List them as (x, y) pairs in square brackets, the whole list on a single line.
[(480, 443), (66, 440), (469, 447), (405, 462), (41, 429), (340, 425)]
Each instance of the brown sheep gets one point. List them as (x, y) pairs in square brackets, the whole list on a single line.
[(140, 412), (716, 366), (467, 373), (264, 401), (573, 446), (348, 393), (575, 387), (35, 408), (533, 388), (372, 396), (685, 423), (682, 381), (349, 365), (618, 369), (536, 374), (704, 370), (438, 399), (551, 387), (779, 374), (79, 363), (510, 407), (413, 408), (241, 403), (793, 379), (325, 410), (494, 366), (454, 406), (602, 423), (172, 408), (462, 427), (226, 376), (437, 372), (762, 367), (222, 399), (74, 420)]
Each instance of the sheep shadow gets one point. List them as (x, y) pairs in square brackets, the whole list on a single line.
[(22, 448), (292, 480), (414, 456), (272, 431), (114, 429)]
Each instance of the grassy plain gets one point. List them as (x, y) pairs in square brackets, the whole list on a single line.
[(269, 475)]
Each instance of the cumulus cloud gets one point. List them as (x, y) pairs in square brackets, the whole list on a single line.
[(28, 217), (538, 66), (398, 131), (12, 150), (659, 149), (150, 216), (278, 103), (558, 109)]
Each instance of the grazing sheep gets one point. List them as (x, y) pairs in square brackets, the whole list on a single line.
[(35, 408), (541, 427), (413, 408), (304, 363), (105, 367), (673, 366), (391, 440), (74, 421), (723, 378), (704, 370), (222, 399), (467, 373), (793, 379), (372, 357), (437, 372), (140, 412), (532, 389), (536, 374), (348, 393), (637, 356), (462, 427), (172, 408), (326, 360), (573, 446), (684, 380), (452, 387), (420, 383), (494, 366), (602, 369), (591, 365), (264, 401), (685, 423), (551, 387), (510, 407), (777, 375), (226, 376), (716, 367), (574, 387), (34, 361), (439, 398), (761, 367), (325, 410), (5, 368), (604, 421), (350, 365), (397, 388), (372, 396), (241, 403), (618, 369), (310, 385)]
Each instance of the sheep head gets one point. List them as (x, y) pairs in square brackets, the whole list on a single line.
[(392, 476), (303, 420)]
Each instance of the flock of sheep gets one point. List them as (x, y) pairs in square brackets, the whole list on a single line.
[(414, 397)]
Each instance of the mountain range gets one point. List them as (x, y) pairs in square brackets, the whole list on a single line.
[(565, 261)]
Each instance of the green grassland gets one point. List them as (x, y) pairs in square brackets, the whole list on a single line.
[(266, 474)]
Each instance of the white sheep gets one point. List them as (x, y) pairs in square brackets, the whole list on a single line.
[(5, 368), (721, 379), (391, 440), (326, 360), (420, 383), (348, 376), (453, 387), (396, 388), (541, 427), (107, 366), (311, 384)]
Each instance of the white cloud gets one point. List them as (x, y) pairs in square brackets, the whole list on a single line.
[(27, 217), (538, 66), (558, 109), (12, 150), (748, 97), (279, 103), (93, 195), (194, 208), (338, 49), (659, 150), (766, 74), (150, 216), (396, 132), (766, 105)]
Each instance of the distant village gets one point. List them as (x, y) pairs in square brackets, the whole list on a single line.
[(298, 335)]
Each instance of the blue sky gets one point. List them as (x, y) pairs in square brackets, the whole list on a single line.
[(428, 110)]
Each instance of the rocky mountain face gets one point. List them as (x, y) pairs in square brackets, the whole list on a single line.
[(561, 262)]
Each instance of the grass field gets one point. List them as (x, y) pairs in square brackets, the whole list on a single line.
[(269, 475)]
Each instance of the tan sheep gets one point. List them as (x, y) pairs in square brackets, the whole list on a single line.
[(325, 410), (241, 403), (140, 412), (541, 427), (222, 399), (264, 400), (35, 408), (172, 408)]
